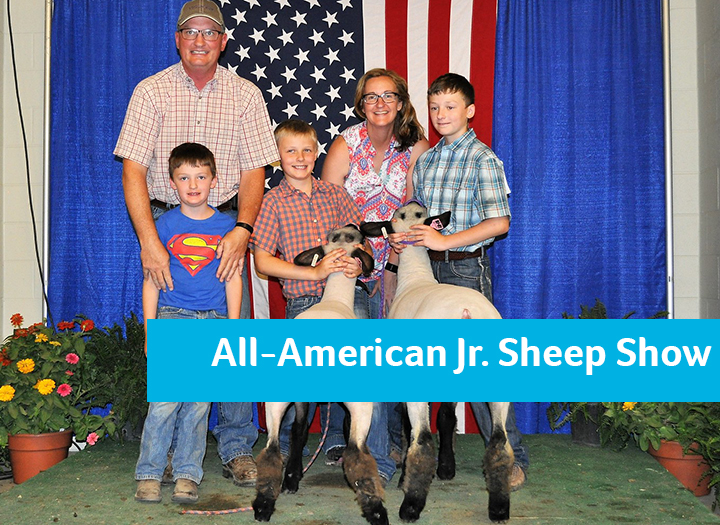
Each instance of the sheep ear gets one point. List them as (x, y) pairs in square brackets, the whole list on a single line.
[(438, 221), (366, 261), (306, 258), (375, 229)]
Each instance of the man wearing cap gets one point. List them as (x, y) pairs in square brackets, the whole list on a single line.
[(197, 100)]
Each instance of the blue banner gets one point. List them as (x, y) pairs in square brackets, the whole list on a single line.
[(432, 360)]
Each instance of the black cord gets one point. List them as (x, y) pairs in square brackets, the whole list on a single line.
[(27, 165)]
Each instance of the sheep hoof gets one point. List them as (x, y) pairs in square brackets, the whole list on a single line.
[(263, 507), (446, 470), (375, 513), (291, 484), (411, 508), (499, 507)]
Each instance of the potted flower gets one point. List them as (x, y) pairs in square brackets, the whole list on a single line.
[(47, 386)]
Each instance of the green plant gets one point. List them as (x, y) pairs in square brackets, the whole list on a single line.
[(600, 312), (122, 363), (48, 382)]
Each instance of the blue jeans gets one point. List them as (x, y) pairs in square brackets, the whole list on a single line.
[(484, 420), (335, 435), (188, 422), (367, 307), (245, 312), (475, 273), (297, 305), (471, 273)]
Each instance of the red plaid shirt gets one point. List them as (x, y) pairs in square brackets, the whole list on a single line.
[(228, 116), (290, 222)]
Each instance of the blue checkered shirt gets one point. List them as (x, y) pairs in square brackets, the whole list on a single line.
[(465, 177)]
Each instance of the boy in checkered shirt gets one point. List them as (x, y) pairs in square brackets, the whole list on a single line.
[(295, 216)]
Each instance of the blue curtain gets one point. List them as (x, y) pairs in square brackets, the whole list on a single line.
[(100, 51), (578, 122)]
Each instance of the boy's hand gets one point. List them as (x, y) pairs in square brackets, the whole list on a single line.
[(331, 263), (424, 235), (352, 267)]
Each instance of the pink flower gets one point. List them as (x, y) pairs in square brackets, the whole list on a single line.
[(68, 372), (64, 389), (72, 358), (92, 438)]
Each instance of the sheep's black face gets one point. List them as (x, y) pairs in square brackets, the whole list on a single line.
[(345, 237), (409, 215)]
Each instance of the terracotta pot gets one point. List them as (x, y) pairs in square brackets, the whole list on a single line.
[(30, 454), (687, 468)]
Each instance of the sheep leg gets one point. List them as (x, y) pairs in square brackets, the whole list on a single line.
[(269, 465), (419, 463), (498, 463), (298, 439), (446, 424), (360, 467)]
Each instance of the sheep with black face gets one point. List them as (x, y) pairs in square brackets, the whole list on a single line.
[(360, 467), (420, 296)]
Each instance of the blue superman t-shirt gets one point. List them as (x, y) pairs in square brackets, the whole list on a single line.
[(192, 245)]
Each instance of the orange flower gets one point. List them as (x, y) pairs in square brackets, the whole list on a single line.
[(4, 359), (16, 320), (65, 325), (628, 405), (87, 325)]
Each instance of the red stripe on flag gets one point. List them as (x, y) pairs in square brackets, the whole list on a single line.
[(396, 21), (438, 48), (482, 66)]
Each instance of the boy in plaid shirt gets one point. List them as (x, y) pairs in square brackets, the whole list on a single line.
[(297, 215)]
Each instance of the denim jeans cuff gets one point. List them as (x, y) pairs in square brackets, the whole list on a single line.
[(141, 477), (333, 441), (187, 476)]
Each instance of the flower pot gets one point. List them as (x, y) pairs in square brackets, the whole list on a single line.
[(687, 468), (30, 454), (584, 430)]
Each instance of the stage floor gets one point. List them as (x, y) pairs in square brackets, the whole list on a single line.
[(567, 484)]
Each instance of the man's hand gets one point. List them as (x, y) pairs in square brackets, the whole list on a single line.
[(231, 252), (156, 265)]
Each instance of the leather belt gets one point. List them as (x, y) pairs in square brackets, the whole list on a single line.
[(456, 256), (228, 205)]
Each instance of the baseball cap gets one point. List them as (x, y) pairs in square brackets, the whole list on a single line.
[(206, 8)]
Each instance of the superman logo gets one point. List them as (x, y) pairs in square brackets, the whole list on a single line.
[(194, 251)]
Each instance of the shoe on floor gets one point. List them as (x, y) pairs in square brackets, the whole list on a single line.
[(186, 491), (334, 456), (242, 470), (396, 456), (148, 491), (517, 478), (167, 478)]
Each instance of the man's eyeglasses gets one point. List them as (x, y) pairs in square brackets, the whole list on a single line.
[(208, 34), (388, 97)]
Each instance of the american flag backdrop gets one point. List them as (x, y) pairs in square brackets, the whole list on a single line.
[(306, 57)]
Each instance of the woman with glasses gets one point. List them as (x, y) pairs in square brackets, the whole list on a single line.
[(373, 160)]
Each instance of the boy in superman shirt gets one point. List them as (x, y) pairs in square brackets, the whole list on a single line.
[(190, 233)]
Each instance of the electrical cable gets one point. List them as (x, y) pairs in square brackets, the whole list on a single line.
[(27, 164)]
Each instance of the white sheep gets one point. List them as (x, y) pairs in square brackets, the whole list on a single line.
[(420, 296), (359, 465)]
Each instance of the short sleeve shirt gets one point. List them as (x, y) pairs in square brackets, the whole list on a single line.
[(228, 116), (290, 222)]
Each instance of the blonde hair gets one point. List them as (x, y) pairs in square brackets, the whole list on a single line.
[(295, 127), (407, 129)]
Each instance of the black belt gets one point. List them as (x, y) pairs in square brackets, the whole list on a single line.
[(228, 205), (456, 256)]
